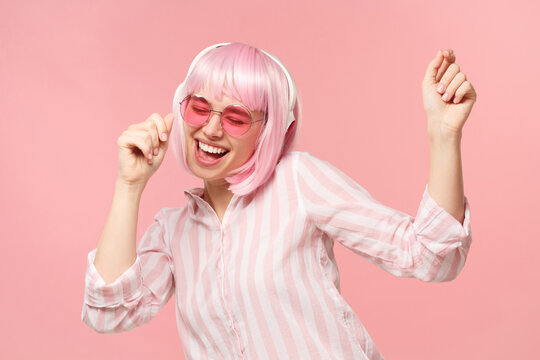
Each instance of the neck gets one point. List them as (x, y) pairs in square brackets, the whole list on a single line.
[(217, 194)]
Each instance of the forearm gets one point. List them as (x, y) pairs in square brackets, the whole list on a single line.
[(116, 250), (445, 183)]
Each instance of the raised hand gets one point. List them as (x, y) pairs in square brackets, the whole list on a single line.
[(142, 148), (447, 94)]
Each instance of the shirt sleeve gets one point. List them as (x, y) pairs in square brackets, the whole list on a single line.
[(432, 246), (137, 295)]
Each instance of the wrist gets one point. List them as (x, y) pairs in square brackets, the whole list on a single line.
[(444, 136), (440, 130), (126, 188)]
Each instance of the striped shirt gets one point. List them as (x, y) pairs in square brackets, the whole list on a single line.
[(264, 283)]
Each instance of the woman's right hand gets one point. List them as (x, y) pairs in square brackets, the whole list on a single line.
[(135, 167)]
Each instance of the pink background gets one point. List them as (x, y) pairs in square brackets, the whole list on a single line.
[(74, 75)]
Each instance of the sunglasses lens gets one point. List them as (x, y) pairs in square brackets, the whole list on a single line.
[(236, 120), (195, 110)]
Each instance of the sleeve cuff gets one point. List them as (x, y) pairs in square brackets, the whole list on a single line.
[(126, 290), (441, 231)]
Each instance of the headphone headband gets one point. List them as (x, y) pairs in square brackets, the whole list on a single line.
[(292, 87)]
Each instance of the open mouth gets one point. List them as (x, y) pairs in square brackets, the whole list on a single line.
[(209, 154)]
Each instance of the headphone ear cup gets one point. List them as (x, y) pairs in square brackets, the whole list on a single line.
[(291, 119), (294, 113)]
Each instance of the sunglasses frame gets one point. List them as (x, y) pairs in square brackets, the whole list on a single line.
[(220, 114)]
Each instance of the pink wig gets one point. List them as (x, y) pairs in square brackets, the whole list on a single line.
[(244, 72)]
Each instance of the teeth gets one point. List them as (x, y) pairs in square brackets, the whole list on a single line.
[(211, 149)]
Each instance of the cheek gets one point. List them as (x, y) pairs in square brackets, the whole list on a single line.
[(251, 146), (252, 141), (245, 149)]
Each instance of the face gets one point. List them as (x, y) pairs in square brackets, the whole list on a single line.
[(239, 148)]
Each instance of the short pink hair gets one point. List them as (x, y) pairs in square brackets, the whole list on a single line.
[(244, 72)]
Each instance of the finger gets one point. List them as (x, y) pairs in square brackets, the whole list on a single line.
[(449, 58), (433, 66), (144, 141), (169, 120), (449, 52), (138, 143), (161, 127), (453, 86), (453, 69), (152, 128), (464, 89), (165, 134)]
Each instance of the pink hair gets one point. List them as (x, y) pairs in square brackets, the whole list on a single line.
[(244, 72)]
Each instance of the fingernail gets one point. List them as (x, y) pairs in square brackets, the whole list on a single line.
[(164, 136), (149, 155), (440, 89), (456, 100), (445, 97), (156, 151)]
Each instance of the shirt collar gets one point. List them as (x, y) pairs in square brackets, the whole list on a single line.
[(194, 196), (196, 204), (193, 192)]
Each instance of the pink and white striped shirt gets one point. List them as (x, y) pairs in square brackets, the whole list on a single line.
[(264, 283)]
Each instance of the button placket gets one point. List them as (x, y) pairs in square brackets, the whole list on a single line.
[(221, 272), (232, 324)]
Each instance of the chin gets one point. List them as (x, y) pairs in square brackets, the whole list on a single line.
[(204, 173)]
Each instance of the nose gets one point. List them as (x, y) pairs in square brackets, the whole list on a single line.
[(213, 126)]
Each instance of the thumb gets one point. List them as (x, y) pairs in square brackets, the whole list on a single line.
[(433, 67)]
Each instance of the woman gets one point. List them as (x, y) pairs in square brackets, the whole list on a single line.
[(250, 257)]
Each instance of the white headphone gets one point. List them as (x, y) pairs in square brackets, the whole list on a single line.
[(292, 87)]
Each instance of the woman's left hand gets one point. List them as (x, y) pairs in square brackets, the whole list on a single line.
[(448, 96)]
